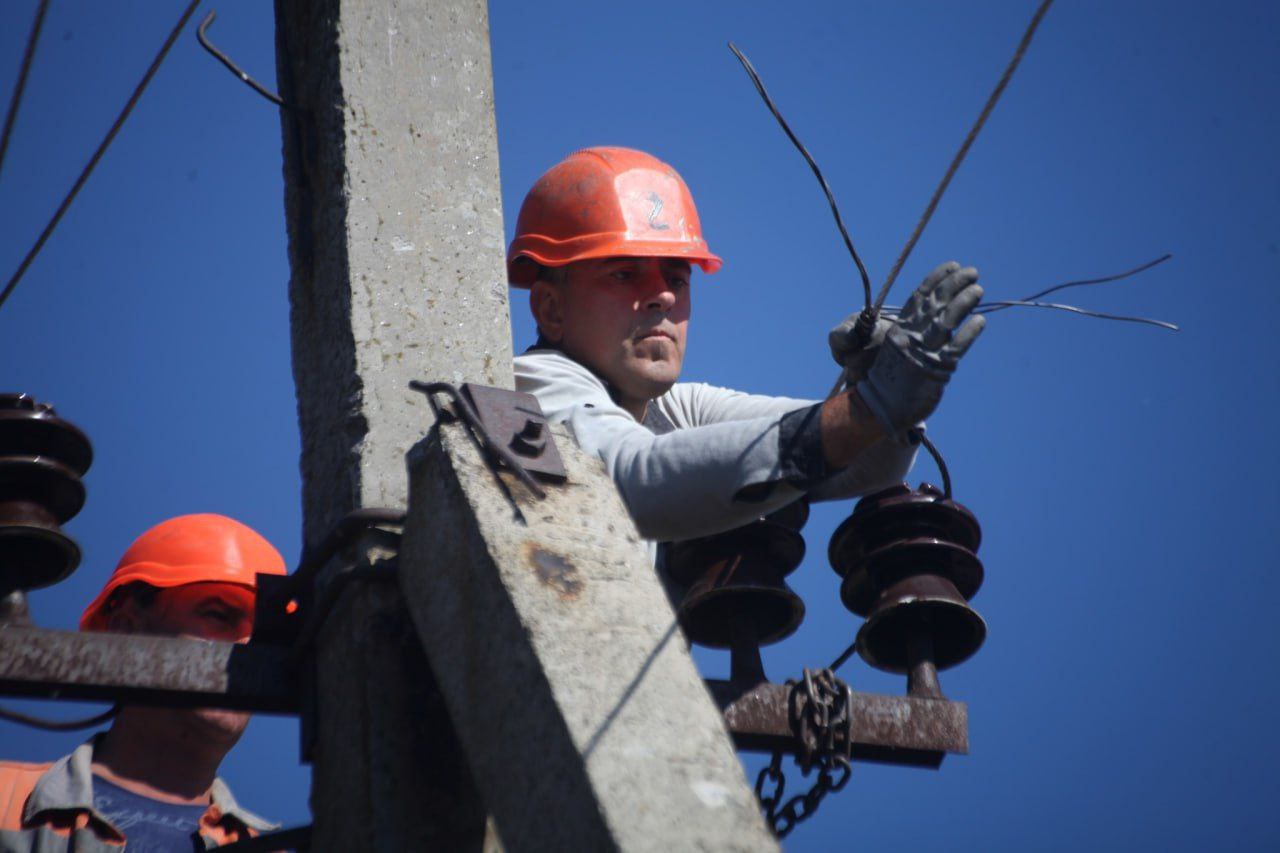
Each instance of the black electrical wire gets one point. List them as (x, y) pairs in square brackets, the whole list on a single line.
[(817, 173), (844, 656), (917, 434), (57, 725), (1031, 301), (999, 305), (203, 37), (27, 56), (97, 155), (1085, 281), (992, 99), (988, 307)]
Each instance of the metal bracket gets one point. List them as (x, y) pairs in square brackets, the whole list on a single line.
[(515, 421)]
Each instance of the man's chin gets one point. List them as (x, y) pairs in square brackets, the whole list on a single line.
[(650, 379), (218, 724)]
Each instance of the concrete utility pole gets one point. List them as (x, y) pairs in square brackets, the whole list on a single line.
[(395, 244), (396, 247)]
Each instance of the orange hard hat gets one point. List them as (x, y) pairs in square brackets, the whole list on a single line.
[(203, 548), (606, 202)]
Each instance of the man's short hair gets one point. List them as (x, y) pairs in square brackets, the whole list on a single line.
[(141, 594), (554, 275)]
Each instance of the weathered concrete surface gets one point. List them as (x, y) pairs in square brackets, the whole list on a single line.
[(395, 232), (389, 774), (583, 718)]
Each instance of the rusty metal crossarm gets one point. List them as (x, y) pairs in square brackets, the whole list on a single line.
[(41, 663), (892, 729)]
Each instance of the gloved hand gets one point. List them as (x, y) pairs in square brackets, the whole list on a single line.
[(922, 348), (855, 355)]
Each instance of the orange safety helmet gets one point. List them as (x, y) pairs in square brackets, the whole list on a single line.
[(189, 549), (606, 202)]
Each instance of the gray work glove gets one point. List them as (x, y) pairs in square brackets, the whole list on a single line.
[(922, 348), (855, 355)]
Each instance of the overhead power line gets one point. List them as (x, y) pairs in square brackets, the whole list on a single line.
[(97, 155), (27, 56)]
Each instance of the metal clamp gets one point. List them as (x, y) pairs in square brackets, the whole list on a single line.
[(509, 424), (514, 420)]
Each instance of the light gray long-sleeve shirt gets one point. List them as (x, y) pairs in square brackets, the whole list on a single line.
[(731, 457)]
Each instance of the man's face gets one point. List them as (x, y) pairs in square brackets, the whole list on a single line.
[(203, 611), (625, 318), (199, 611)]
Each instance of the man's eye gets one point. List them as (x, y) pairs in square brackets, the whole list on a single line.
[(224, 616), (621, 275)]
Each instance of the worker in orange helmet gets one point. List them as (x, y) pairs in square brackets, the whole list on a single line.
[(150, 781), (605, 243)]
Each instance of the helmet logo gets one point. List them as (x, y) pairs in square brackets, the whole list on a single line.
[(653, 214)]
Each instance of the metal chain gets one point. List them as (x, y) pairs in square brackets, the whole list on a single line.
[(821, 714)]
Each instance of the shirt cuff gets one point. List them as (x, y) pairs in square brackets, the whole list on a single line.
[(802, 462)]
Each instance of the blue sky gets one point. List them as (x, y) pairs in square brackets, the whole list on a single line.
[(1125, 477)]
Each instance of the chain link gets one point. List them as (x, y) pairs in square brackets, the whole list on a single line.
[(821, 710)]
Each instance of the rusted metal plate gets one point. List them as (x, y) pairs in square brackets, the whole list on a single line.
[(145, 670), (889, 729), (514, 420)]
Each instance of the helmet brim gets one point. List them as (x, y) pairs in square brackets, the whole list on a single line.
[(522, 272)]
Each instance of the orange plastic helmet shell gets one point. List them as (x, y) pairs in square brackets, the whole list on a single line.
[(187, 549), (606, 202)]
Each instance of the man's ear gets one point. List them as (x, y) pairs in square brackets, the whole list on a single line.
[(546, 303)]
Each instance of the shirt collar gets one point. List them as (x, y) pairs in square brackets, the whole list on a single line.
[(543, 344), (225, 806), (68, 786)]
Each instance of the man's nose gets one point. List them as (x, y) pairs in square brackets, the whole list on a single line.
[(658, 294), (661, 300)]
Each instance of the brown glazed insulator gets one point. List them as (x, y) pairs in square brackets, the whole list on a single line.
[(925, 605), (900, 512), (41, 460), (28, 428), (894, 561), (909, 562), (735, 581), (42, 481)]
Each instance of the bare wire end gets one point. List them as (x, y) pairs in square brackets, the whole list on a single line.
[(1104, 280), (1058, 306), (203, 38)]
